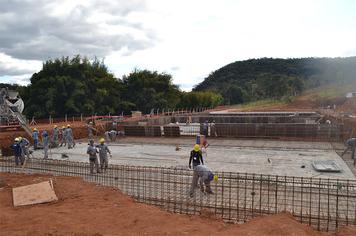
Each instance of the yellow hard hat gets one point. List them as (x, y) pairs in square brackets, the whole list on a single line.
[(63, 127), (196, 147), (17, 139), (20, 138), (55, 126), (216, 178), (102, 140), (68, 125), (34, 129)]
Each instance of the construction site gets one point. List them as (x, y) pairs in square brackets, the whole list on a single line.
[(285, 168)]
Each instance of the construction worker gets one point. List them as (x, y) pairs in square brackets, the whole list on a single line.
[(107, 136), (196, 157), (64, 136), (35, 138), (205, 176), (351, 144), (93, 159), (103, 154), (206, 128), (17, 152), (55, 134), (70, 138), (90, 130), (112, 135), (24, 144), (213, 129), (45, 141)]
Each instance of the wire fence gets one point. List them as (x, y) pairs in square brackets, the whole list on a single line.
[(325, 204)]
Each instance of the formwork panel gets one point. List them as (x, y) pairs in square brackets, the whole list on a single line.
[(171, 131), (134, 130), (153, 131)]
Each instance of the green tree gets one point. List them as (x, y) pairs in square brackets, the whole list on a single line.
[(72, 86)]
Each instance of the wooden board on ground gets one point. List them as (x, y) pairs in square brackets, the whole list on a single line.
[(34, 194)]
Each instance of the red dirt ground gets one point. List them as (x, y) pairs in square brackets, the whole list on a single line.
[(87, 209)]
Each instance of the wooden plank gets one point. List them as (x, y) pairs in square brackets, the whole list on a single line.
[(34, 194)]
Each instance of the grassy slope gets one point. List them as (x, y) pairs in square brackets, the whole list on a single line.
[(310, 99)]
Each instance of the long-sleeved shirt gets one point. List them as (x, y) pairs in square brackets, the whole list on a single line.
[(16, 148), (103, 150), (204, 173), (24, 142), (196, 157), (55, 133), (92, 151), (35, 135), (351, 142), (69, 132)]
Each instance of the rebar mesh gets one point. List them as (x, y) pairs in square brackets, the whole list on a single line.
[(325, 204)]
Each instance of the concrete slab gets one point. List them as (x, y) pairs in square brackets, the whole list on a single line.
[(34, 194), (282, 158)]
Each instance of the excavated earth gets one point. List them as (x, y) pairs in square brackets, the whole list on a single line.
[(87, 209)]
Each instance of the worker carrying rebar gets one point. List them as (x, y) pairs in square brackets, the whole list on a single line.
[(93, 159), (205, 176), (103, 154), (350, 144), (63, 136), (55, 135), (16, 148), (196, 157), (25, 145), (45, 141), (35, 138)]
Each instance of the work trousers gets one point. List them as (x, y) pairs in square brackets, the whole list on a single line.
[(94, 164)]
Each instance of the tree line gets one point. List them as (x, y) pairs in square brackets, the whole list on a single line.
[(78, 85)]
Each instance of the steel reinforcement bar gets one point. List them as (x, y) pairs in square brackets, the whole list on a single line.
[(325, 204)]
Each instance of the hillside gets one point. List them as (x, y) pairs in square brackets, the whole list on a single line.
[(256, 79)]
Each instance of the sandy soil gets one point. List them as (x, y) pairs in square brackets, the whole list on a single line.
[(87, 209)]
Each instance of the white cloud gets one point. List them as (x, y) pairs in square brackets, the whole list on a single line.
[(190, 39)]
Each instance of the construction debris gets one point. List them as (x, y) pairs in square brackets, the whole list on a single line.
[(326, 166), (34, 194)]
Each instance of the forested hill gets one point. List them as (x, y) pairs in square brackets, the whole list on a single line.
[(255, 79)]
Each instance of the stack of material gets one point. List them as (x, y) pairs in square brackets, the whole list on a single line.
[(34, 194)]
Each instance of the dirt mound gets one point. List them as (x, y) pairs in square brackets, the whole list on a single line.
[(87, 209)]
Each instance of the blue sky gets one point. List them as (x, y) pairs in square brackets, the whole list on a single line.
[(188, 39)]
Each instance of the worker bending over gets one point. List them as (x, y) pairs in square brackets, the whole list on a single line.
[(205, 176)]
